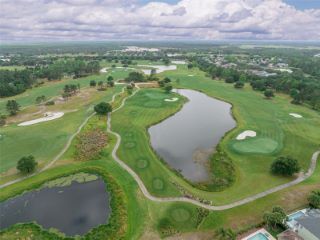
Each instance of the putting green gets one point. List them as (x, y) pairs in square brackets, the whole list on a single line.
[(255, 145), (180, 214)]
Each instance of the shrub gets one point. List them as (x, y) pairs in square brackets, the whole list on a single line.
[(27, 164), (314, 199), (103, 108), (286, 166)]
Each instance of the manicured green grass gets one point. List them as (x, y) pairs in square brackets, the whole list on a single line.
[(55, 88), (45, 140), (255, 145), (147, 107), (283, 134), (145, 215)]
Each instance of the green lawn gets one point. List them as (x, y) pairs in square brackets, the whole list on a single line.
[(45, 140), (278, 134), (269, 118)]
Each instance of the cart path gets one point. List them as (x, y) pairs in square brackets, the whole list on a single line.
[(301, 178), (64, 149), (146, 193)]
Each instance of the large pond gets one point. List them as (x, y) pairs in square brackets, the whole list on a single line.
[(186, 139), (73, 209)]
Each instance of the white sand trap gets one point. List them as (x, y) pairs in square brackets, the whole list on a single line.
[(48, 116), (171, 100), (190, 75), (245, 134), (104, 70), (158, 68), (295, 115), (178, 62)]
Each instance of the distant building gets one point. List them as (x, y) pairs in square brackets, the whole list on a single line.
[(305, 223), (262, 73)]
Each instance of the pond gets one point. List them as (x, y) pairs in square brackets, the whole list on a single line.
[(158, 68), (72, 209), (187, 139)]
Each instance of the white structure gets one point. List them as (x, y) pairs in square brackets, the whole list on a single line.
[(306, 223)]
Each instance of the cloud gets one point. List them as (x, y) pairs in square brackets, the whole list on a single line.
[(127, 19)]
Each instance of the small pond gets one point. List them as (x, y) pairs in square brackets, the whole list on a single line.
[(186, 139), (72, 209)]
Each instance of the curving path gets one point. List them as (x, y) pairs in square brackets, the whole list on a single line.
[(146, 193), (143, 188), (64, 149)]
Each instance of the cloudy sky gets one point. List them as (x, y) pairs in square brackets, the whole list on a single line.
[(64, 20)]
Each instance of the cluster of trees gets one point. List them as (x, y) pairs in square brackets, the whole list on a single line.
[(17, 81), (276, 218), (301, 87), (102, 86), (286, 166), (166, 84), (135, 77), (70, 90)]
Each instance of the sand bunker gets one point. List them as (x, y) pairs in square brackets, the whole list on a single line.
[(245, 134), (190, 75), (104, 70), (171, 100), (158, 68), (48, 116), (295, 115), (178, 62)]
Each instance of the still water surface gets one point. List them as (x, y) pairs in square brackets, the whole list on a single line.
[(186, 139), (73, 209)]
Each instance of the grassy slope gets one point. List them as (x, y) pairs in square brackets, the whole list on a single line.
[(270, 118), (54, 88), (45, 140)]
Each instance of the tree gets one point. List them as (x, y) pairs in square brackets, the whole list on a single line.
[(110, 79), (93, 83), (101, 86), (268, 93), (226, 234), (166, 80), (40, 99), (27, 164), (314, 199), (168, 88), (103, 108), (135, 77), (276, 218), (239, 84), (190, 65), (286, 166), (12, 107)]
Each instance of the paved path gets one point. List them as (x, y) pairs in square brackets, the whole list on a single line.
[(146, 193), (143, 188), (64, 149)]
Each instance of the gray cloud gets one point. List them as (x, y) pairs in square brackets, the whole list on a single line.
[(126, 19)]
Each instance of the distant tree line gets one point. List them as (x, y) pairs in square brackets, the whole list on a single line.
[(302, 88), (17, 81)]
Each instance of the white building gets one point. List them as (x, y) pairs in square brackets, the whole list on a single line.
[(306, 223)]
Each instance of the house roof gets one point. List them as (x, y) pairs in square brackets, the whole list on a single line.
[(311, 222), (289, 235)]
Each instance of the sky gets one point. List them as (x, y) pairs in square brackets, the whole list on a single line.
[(99, 20)]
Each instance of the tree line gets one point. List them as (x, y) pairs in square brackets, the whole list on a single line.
[(17, 81), (303, 89)]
